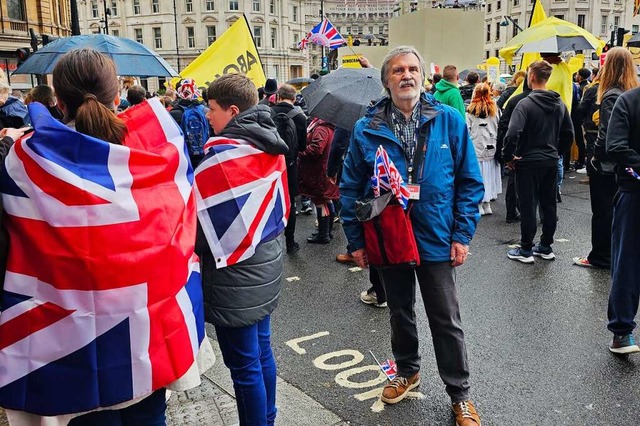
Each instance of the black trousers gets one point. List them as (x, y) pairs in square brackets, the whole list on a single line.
[(510, 198), (537, 185), (602, 189), (292, 179), (376, 284), (579, 138), (440, 297)]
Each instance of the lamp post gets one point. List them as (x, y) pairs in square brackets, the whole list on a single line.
[(106, 18), (175, 24)]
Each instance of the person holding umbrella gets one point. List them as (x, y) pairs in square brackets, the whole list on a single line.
[(447, 188)]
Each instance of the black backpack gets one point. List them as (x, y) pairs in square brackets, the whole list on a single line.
[(288, 131)]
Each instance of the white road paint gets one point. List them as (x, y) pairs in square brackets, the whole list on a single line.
[(562, 240), (378, 405), (321, 361), (343, 378), (355, 269), (295, 343), (290, 279)]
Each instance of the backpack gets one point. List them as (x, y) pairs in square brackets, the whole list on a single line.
[(288, 132), (195, 128)]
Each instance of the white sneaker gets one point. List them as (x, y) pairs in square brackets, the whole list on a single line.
[(371, 299), (487, 208), (481, 209), (582, 171)]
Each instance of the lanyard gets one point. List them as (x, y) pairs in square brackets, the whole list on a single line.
[(409, 146)]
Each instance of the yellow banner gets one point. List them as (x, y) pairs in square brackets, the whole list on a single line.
[(233, 52), (351, 61)]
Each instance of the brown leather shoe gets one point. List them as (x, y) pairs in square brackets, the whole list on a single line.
[(398, 388), (466, 414), (345, 258)]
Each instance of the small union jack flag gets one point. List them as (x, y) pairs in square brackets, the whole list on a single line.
[(389, 369), (386, 176), (242, 197), (324, 34), (632, 173)]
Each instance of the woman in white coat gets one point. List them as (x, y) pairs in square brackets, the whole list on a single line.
[(482, 120)]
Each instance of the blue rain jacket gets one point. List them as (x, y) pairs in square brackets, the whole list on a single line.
[(450, 181)]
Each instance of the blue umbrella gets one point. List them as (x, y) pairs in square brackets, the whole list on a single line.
[(131, 58)]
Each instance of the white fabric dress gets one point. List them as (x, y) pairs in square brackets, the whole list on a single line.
[(484, 133)]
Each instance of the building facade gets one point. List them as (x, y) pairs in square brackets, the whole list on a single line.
[(366, 21), (505, 18), (19, 19), (182, 29)]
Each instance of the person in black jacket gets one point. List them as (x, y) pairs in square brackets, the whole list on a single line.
[(510, 198), (540, 128), (623, 147), (285, 98), (588, 106)]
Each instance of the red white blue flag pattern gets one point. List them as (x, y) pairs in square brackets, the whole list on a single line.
[(324, 34), (386, 177), (242, 197), (389, 369), (102, 300)]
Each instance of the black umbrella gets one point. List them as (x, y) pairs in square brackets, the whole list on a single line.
[(131, 58), (301, 80), (634, 41), (342, 96), (462, 75)]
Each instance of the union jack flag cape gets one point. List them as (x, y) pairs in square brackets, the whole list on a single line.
[(324, 34), (386, 176), (242, 197), (102, 301)]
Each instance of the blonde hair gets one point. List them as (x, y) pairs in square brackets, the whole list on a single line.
[(482, 104), (518, 78), (618, 71)]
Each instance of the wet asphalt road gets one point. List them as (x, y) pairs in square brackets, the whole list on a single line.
[(536, 334)]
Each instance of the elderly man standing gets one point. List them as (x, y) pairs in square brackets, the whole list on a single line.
[(444, 213)]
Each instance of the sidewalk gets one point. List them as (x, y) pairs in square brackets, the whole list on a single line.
[(213, 403)]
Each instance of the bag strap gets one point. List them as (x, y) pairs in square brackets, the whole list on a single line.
[(421, 149)]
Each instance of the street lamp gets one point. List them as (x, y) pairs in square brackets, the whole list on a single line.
[(107, 13), (175, 24)]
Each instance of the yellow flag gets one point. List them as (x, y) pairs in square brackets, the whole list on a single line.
[(538, 15), (233, 52)]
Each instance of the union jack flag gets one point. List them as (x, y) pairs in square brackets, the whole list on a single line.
[(389, 369), (632, 173), (102, 301), (386, 176), (242, 197), (324, 34)]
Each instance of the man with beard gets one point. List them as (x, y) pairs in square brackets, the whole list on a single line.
[(429, 144)]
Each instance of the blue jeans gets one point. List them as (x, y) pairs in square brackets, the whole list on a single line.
[(246, 351), (625, 268), (148, 412)]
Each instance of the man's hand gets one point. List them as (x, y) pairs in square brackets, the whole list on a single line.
[(360, 257), (364, 62), (511, 165), (459, 253)]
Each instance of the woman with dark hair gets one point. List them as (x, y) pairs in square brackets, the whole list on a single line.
[(45, 95), (101, 243), (482, 121)]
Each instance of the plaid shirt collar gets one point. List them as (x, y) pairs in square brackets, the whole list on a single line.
[(405, 130)]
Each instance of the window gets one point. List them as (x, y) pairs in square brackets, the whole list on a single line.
[(94, 9), (210, 5), (295, 14), (348, 30), (115, 33), (581, 21), (276, 72), (635, 29), (497, 53), (114, 8), (256, 5), (559, 16), (211, 34), (272, 6), (274, 38), (339, 28), (157, 37), (188, 4), (257, 36), (233, 5), (616, 23), (487, 54), (15, 10), (191, 37), (516, 2), (489, 8), (138, 35), (515, 28), (498, 5), (296, 39), (488, 32), (136, 7), (155, 6), (603, 24), (497, 31)]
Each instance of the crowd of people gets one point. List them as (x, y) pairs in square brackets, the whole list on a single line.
[(449, 146)]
